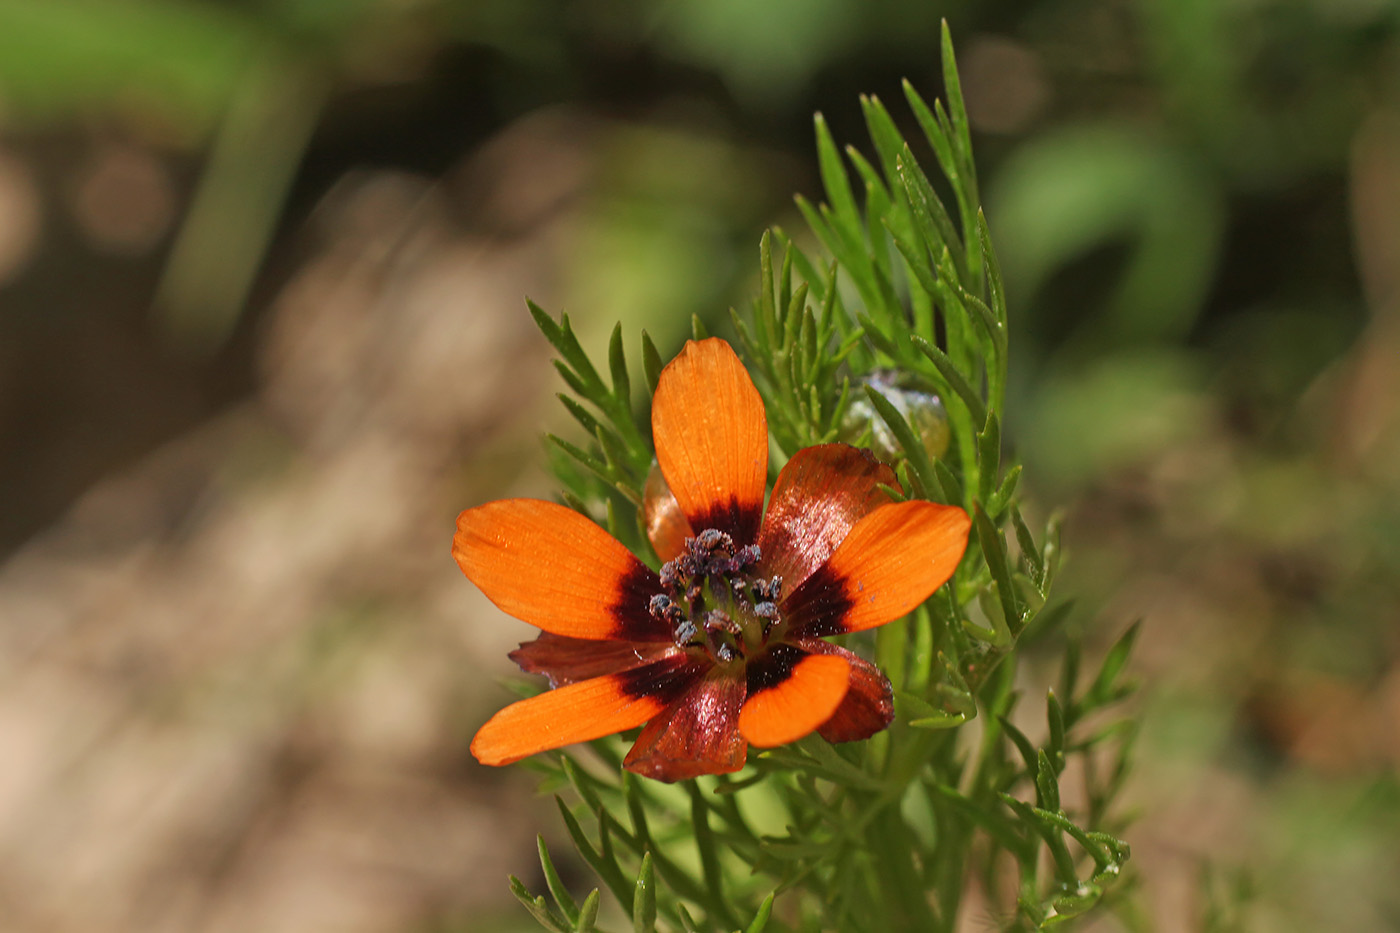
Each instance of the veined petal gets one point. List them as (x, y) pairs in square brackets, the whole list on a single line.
[(667, 527), (868, 707), (791, 693), (712, 439), (550, 566), (586, 710), (566, 660), (892, 560), (698, 734), (820, 495)]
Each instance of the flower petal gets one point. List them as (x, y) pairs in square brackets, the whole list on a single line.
[(869, 704), (892, 560), (667, 527), (566, 660), (820, 494), (586, 710), (712, 439), (550, 566), (791, 693), (698, 735)]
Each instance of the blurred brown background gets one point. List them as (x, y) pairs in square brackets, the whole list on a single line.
[(262, 335)]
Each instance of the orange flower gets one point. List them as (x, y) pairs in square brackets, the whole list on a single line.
[(723, 648)]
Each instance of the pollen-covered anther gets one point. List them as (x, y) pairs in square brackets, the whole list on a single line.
[(711, 538), (720, 633), (767, 591)]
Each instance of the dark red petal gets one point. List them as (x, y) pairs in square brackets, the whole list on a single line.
[(698, 735), (821, 493), (586, 710), (550, 566), (791, 693), (667, 527), (712, 439), (892, 560), (869, 704), (566, 660)]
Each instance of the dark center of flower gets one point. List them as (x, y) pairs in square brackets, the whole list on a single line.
[(714, 599)]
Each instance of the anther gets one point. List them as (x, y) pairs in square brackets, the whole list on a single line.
[(712, 538)]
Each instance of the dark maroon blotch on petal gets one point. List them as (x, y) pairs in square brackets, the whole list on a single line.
[(818, 607), (774, 666), (737, 519), (666, 680), (631, 608)]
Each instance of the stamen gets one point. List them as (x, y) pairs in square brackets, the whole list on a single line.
[(711, 599)]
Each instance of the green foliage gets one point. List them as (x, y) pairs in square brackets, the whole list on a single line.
[(886, 834)]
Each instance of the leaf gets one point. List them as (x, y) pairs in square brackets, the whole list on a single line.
[(687, 922), (1030, 554), (561, 335), (952, 87), (988, 456), (651, 362), (617, 364), (760, 919), (994, 551), (1002, 496), (537, 908), (1056, 718), (955, 379), (834, 178), (705, 844), (556, 886), (989, 261), (1023, 744), (588, 914), (930, 217), (595, 465), (606, 868), (582, 415), (644, 900), (1101, 691), (1047, 786)]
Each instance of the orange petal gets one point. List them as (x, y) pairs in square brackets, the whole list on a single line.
[(712, 439), (892, 560), (667, 528), (820, 494), (869, 704), (698, 735), (566, 660), (550, 566), (791, 693), (586, 710)]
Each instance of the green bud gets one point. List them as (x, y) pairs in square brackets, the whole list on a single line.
[(923, 410)]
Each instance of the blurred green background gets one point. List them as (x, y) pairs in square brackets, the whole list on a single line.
[(262, 334)]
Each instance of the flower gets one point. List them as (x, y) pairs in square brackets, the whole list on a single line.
[(724, 647)]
